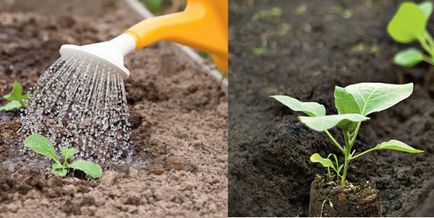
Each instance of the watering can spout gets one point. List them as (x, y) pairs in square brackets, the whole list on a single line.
[(202, 25)]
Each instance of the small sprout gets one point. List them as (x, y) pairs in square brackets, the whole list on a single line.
[(409, 24), (301, 9), (15, 99), (268, 13), (42, 145), (347, 13), (259, 50), (353, 103), (358, 47), (155, 6)]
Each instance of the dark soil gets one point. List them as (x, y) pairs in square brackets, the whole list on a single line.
[(178, 116), (331, 200), (310, 48)]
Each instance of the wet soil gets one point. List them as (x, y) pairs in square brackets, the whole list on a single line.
[(178, 116), (327, 199), (304, 52)]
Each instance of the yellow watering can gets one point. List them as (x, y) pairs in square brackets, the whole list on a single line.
[(202, 25)]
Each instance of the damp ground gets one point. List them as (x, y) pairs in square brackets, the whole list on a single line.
[(304, 51), (178, 119)]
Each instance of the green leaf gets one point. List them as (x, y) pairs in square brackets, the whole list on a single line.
[(41, 145), (67, 153), (323, 123), (93, 170), (325, 162), (16, 99), (397, 146), (426, 8), (12, 105), (408, 57), (311, 109), (16, 92), (375, 97), (408, 23), (345, 102), (59, 170)]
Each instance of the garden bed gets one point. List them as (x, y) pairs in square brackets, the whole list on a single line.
[(311, 47), (178, 116)]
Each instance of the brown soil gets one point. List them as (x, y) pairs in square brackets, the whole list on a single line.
[(310, 48), (332, 200), (178, 115)]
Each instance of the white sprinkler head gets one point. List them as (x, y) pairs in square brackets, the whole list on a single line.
[(109, 53)]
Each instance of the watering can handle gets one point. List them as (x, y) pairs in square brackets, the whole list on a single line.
[(202, 25)]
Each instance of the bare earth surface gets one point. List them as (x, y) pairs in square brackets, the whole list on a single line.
[(178, 114)]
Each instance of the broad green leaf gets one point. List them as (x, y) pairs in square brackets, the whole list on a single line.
[(93, 170), (67, 153), (12, 105), (345, 102), (375, 97), (408, 23), (323, 123), (426, 8), (311, 109), (325, 162), (397, 146), (41, 145), (59, 169), (408, 57)]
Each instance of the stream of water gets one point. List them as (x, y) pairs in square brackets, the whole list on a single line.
[(83, 107)]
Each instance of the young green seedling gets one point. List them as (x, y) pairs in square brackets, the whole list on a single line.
[(353, 103), (409, 25), (155, 6), (15, 99), (42, 145)]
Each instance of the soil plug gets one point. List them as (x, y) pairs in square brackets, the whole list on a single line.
[(42, 145), (80, 100), (354, 103)]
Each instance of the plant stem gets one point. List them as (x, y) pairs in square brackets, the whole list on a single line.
[(346, 164), (346, 155), (334, 141), (428, 60), (355, 133), (426, 42), (363, 153), (430, 42)]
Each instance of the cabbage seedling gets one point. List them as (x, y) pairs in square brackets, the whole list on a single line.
[(42, 145), (15, 99), (409, 25), (354, 103)]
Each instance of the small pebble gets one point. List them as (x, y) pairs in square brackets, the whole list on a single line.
[(132, 172), (109, 178)]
